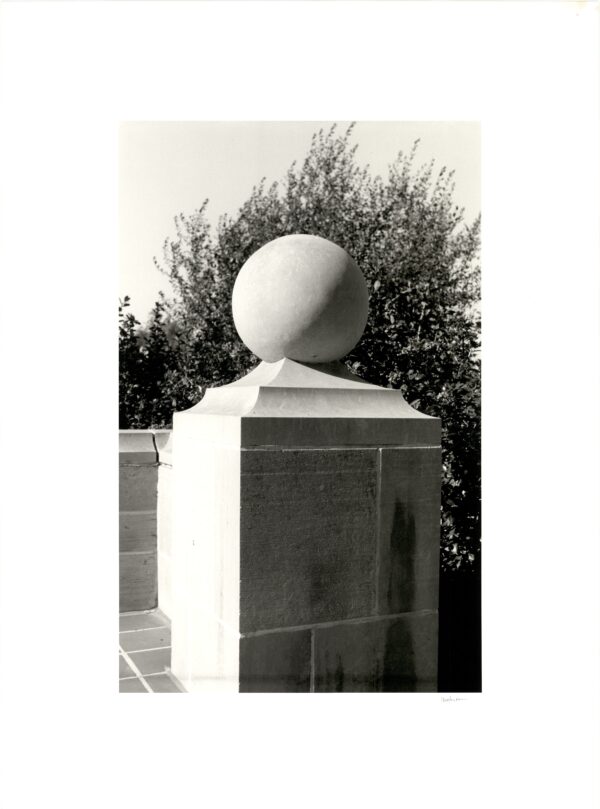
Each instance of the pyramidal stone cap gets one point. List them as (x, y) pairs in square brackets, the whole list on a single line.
[(300, 303), (301, 298)]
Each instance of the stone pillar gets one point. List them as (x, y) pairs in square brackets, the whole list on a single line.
[(306, 501)]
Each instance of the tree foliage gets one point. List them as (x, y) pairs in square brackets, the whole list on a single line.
[(420, 259)]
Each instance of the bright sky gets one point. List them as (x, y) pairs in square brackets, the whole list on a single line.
[(170, 167)]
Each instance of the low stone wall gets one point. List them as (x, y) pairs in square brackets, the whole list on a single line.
[(144, 470)]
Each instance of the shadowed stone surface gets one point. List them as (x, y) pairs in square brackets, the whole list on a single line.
[(307, 536), (137, 488), (387, 654), (137, 531), (276, 662), (338, 432), (137, 581), (409, 530)]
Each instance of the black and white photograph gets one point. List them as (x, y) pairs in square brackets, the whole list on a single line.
[(299, 407), (300, 317)]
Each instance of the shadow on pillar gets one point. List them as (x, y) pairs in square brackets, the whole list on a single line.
[(399, 668), (401, 582), (459, 639), (459, 653)]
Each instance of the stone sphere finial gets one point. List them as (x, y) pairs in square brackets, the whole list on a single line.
[(300, 297)]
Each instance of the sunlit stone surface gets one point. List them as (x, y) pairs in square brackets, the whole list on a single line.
[(300, 297)]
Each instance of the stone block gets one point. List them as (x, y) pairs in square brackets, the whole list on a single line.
[(137, 531), (307, 536), (151, 661), (275, 662), (154, 638), (385, 654), (137, 581), (409, 530), (137, 488), (137, 447)]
